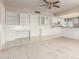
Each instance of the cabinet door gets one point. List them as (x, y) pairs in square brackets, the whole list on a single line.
[(12, 18), (76, 20), (13, 35), (10, 35), (35, 34), (24, 19), (45, 20), (34, 20), (22, 34)]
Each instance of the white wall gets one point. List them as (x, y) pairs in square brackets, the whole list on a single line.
[(2, 21)]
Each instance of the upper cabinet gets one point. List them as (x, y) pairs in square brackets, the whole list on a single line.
[(71, 22), (20, 18), (12, 18), (34, 19), (24, 19), (76, 22), (57, 21), (45, 20)]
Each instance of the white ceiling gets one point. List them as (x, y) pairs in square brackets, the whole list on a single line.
[(71, 15), (35, 4)]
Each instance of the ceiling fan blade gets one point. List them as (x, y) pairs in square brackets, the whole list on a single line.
[(55, 2), (43, 5), (56, 6), (45, 1)]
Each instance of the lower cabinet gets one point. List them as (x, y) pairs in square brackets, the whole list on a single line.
[(14, 35), (72, 33)]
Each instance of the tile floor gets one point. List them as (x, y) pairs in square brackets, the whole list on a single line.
[(58, 48)]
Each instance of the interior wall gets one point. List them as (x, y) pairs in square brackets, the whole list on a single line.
[(2, 20), (0, 25)]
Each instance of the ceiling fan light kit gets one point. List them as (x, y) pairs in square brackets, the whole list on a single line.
[(51, 3)]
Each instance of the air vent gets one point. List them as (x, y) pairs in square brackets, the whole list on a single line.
[(37, 12)]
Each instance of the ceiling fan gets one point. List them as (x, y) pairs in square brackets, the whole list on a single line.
[(51, 3)]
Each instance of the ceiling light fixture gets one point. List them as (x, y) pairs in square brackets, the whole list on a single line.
[(51, 3)]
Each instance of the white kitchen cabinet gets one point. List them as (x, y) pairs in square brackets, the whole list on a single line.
[(22, 34), (57, 21), (45, 20), (10, 35), (34, 20), (13, 35), (35, 33), (51, 31), (24, 19), (71, 22), (76, 20), (12, 18), (72, 33)]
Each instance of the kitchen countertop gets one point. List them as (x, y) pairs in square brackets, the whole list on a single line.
[(64, 27)]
